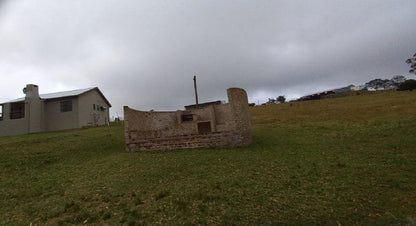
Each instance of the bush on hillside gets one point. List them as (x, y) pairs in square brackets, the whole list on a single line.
[(409, 84), (281, 99)]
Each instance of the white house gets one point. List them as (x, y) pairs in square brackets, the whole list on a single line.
[(53, 111)]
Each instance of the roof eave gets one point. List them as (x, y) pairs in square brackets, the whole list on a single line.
[(101, 94)]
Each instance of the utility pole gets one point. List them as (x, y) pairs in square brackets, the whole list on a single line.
[(196, 91)]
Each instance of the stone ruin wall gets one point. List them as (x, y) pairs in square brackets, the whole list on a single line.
[(224, 125)]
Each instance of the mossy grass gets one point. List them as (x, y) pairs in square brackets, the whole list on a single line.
[(349, 160)]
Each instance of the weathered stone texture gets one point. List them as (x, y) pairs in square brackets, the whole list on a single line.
[(217, 125)]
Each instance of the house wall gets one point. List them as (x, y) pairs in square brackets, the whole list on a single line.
[(11, 127), (34, 108), (32, 120), (45, 115), (57, 120), (224, 125), (87, 115)]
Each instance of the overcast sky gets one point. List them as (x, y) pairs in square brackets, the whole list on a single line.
[(144, 54)]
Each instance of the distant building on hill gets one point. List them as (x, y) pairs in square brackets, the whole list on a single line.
[(317, 96), (373, 85), (344, 89), (357, 88), (53, 111)]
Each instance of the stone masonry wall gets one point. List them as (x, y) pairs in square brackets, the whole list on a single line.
[(224, 125)]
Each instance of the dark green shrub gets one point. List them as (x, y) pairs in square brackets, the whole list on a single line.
[(409, 84)]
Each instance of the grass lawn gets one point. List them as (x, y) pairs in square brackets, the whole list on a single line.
[(349, 160)]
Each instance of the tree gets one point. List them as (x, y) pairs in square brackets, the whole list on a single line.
[(271, 101), (412, 64), (377, 83), (409, 84), (281, 99), (398, 79)]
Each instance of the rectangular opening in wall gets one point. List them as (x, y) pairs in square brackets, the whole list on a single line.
[(204, 127), (17, 110), (1, 112), (66, 105), (187, 117)]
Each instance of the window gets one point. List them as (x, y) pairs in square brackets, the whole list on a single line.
[(93, 106), (1, 112), (187, 117), (17, 110), (66, 106)]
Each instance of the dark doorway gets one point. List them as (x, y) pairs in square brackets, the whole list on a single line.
[(204, 127)]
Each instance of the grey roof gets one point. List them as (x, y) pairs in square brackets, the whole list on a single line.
[(56, 95)]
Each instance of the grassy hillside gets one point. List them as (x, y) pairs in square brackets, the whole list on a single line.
[(348, 160)]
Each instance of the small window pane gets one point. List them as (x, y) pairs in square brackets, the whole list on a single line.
[(66, 106), (17, 110), (1, 112)]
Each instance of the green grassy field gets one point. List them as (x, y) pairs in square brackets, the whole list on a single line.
[(337, 161)]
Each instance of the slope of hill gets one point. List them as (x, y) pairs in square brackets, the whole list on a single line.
[(348, 160)]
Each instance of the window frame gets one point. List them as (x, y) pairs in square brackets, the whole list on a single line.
[(65, 107), (1, 111), (17, 110)]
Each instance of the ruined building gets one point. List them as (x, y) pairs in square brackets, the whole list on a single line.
[(211, 124)]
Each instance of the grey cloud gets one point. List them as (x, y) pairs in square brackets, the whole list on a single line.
[(145, 53)]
